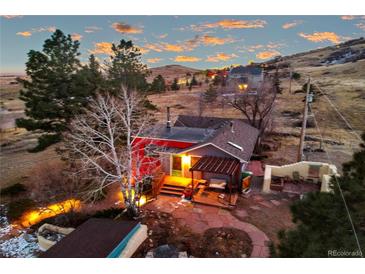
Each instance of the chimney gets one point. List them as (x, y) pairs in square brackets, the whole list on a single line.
[(168, 122), (232, 129)]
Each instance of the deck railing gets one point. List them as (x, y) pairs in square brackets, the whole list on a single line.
[(157, 182)]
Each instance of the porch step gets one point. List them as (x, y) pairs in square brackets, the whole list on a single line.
[(166, 185), (168, 189), (170, 192)]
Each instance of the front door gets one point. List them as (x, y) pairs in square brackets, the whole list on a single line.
[(176, 166)]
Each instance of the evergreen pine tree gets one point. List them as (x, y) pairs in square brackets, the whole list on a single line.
[(127, 68), (50, 96), (158, 84)]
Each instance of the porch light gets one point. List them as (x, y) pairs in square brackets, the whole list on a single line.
[(186, 160), (242, 86)]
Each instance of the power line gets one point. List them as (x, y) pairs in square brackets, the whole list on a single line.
[(338, 112), (331, 162), (340, 189)]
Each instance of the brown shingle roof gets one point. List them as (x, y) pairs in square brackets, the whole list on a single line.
[(235, 137), (200, 121), (96, 238)]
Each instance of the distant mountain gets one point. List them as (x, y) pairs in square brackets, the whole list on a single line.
[(169, 72)]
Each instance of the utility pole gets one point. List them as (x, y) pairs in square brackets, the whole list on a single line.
[(290, 78), (304, 124)]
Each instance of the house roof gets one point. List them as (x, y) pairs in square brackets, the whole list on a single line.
[(246, 70), (200, 121), (186, 134), (236, 138), (96, 238), (218, 165)]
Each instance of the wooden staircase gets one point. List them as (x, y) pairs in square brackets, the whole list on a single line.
[(174, 190)]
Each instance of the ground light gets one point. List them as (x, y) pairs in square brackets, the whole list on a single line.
[(35, 216)]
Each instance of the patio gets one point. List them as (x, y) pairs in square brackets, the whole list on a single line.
[(199, 218)]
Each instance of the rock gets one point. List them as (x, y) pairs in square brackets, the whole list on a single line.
[(183, 254), (149, 254)]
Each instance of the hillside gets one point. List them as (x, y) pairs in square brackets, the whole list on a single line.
[(170, 72)]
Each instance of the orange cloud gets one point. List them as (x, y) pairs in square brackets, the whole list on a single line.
[(125, 28), (11, 16), (221, 57), (253, 48), (321, 37), (143, 50), (267, 54), (92, 29), (162, 36), (360, 25), (173, 47), (292, 24), (153, 47), (35, 30), (233, 24), (182, 58), (212, 40), (348, 17), (24, 33), (76, 36), (102, 48), (153, 60)]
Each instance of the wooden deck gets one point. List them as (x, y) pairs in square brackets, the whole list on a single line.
[(211, 198)]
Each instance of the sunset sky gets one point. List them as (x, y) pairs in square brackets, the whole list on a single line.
[(195, 41)]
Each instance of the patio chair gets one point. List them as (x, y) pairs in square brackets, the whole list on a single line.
[(297, 178)]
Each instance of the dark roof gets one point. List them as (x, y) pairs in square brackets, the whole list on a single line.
[(186, 134), (246, 70), (218, 165), (236, 137), (200, 121), (96, 238)]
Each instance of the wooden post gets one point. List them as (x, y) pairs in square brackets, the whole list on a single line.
[(192, 185), (230, 190), (304, 124)]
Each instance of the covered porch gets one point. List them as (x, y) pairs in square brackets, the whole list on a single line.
[(218, 191)]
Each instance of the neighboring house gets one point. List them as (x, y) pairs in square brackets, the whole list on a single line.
[(201, 148), (243, 79)]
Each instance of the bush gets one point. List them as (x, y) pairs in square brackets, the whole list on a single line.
[(13, 190), (18, 207), (45, 141), (296, 76)]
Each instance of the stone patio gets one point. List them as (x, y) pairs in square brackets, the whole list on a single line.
[(200, 218)]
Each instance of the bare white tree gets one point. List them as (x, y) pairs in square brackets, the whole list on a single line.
[(104, 142)]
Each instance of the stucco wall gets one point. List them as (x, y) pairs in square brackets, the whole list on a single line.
[(325, 173)]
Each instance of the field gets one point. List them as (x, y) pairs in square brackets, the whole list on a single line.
[(344, 84)]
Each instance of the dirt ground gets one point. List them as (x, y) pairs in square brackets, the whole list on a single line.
[(214, 243), (261, 212)]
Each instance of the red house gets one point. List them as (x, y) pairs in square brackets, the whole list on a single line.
[(195, 151)]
